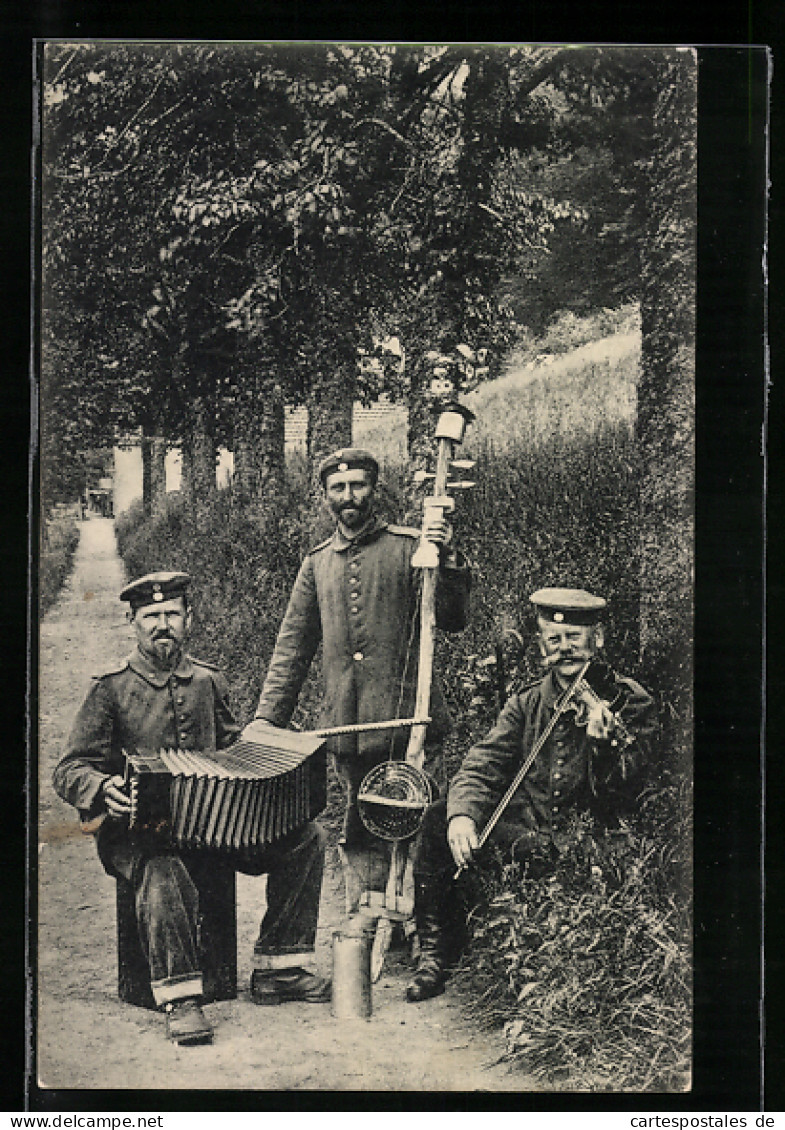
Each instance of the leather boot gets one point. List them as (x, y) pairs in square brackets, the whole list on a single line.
[(186, 1024), (436, 949)]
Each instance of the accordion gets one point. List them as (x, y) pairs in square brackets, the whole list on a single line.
[(236, 801)]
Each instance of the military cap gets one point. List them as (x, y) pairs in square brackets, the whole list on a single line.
[(567, 606), (155, 587), (348, 459)]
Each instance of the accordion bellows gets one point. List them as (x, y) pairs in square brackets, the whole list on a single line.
[(237, 800)]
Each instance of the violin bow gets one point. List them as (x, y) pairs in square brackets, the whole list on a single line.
[(399, 891)]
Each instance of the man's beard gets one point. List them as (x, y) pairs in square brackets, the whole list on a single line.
[(165, 651), (354, 517)]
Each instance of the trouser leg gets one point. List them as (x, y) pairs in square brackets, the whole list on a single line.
[(433, 857), (364, 857), (167, 909), (287, 935), (438, 907)]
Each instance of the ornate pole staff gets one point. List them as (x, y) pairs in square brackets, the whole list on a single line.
[(394, 792)]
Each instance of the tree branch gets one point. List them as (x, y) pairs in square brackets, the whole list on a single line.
[(385, 126)]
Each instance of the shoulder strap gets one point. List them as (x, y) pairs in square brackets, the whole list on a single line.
[(118, 669), (321, 545)]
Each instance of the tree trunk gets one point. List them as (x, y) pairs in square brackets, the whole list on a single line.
[(666, 397), (157, 474), (258, 442), (199, 461), (147, 488), (330, 417), (330, 411), (186, 470), (146, 443), (153, 470)]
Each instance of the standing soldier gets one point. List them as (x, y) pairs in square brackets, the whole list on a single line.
[(358, 595), (161, 697), (582, 765)]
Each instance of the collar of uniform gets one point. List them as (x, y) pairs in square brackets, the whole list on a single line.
[(551, 691), (142, 666), (341, 543)]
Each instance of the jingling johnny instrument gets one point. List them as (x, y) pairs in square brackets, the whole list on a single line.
[(393, 797)]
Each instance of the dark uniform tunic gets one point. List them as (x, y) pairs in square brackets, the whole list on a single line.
[(359, 599), (572, 772), (137, 706)]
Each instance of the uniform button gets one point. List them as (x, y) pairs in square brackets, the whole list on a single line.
[(355, 611), (556, 776), (358, 655), (557, 792), (555, 809), (183, 736)]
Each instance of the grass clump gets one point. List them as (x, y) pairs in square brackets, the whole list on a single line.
[(581, 954), (59, 540), (568, 331)]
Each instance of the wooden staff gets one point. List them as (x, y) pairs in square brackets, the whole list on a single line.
[(399, 891)]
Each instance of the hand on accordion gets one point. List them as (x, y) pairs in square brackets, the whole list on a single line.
[(117, 802)]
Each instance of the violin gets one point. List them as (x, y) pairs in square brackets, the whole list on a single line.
[(597, 687)]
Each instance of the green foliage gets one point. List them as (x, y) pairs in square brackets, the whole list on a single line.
[(582, 955), (211, 211), (666, 417), (58, 544)]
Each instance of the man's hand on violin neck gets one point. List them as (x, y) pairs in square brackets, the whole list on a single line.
[(462, 838)]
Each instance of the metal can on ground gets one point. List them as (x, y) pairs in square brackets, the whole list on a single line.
[(351, 994)]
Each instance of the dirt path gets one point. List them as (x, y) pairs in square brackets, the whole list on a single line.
[(88, 1039)]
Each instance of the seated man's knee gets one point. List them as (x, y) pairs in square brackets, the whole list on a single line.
[(434, 821), (164, 878)]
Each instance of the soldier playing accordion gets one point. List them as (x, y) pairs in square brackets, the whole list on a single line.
[(162, 697)]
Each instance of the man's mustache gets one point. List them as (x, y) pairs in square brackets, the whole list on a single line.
[(552, 660)]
